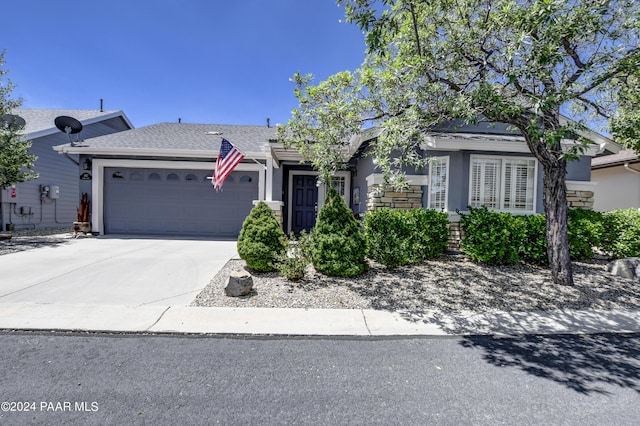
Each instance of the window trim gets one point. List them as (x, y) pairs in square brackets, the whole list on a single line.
[(501, 181), (446, 158)]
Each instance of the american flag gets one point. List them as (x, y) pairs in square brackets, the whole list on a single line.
[(228, 159)]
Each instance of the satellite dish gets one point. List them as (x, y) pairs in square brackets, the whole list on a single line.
[(70, 126), (10, 121)]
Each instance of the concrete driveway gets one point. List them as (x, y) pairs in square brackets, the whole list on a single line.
[(114, 270)]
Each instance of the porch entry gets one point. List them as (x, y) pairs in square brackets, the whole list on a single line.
[(306, 197), (304, 203)]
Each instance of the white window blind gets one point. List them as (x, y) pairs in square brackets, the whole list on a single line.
[(438, 183), (503, 183)]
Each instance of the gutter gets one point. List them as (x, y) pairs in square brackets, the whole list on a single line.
[(628, 167)]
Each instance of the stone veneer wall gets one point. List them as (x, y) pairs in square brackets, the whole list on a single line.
[(580, 199), (378, 197)]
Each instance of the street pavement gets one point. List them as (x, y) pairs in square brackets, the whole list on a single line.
[(80, 378)]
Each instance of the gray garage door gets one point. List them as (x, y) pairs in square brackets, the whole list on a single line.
[(176, 202)]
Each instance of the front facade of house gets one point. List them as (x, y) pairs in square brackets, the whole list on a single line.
[(50, 201), (156, 180)]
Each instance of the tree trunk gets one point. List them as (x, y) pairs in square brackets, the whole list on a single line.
[(555, 207)]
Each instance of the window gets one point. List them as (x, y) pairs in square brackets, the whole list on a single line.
[(191, 177), (503, 183), (338, 182), (438, 183), (173, 176), (154, 176)]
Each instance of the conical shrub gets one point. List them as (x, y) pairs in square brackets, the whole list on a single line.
[(338, 244), (261, 239)]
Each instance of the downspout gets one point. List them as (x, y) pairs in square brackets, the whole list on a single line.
[(627, 167), (66, 154)]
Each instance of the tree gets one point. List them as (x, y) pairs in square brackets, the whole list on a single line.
[(16, 164), (520, 62)]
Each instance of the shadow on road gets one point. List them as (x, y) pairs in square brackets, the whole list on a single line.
[(585, 363)]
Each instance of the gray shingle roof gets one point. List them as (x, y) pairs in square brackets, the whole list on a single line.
[(615, 159), (184, 136), (39, 120)]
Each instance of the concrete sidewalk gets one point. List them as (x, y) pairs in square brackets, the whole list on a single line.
[(309, 322)]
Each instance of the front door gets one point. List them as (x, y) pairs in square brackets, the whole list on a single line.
[(304, 203)]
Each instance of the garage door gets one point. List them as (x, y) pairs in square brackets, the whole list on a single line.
[(176, 202)]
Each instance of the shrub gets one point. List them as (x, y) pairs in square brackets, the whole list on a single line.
[(533, 248), (622, 233), (261, 239), (491, 237), (293, 261), (401, 237), (585, 232), (338, 245)]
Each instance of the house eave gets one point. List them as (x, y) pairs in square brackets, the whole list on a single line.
[(149, 152), (87, 122)]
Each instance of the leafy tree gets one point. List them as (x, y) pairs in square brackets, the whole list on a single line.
[(16, 164), (520, 62)]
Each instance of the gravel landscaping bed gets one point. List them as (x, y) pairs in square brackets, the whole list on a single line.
[(35, 238), (449, 283)]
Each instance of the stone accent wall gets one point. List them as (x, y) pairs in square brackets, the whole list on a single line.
[(378, 197), (580, 199), (456, 235)]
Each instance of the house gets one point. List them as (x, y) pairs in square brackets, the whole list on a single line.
[(618, 181), (50, 201), (157, 179)]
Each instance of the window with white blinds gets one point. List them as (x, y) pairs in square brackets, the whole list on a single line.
[(503, 183), (438, 183)]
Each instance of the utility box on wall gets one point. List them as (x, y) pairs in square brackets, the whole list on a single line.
[(10, 195), (54, 192)]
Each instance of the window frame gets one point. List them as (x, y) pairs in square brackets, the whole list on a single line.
[(446, 159), (501, 182)]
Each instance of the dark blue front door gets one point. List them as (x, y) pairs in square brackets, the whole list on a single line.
[(304, 203)]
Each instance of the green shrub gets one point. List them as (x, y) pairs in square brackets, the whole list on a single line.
[(491, 237), (585, 233), (401, 237), (261, 239), (622, 233), (293, 261), (338, 245), (533, 248)]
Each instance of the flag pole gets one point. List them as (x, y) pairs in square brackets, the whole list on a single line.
[(240, 151)]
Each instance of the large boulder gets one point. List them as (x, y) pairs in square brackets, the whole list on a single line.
[(240, 284), (627, 268)]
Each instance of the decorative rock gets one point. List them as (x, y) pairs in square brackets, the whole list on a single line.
[(627, 268), (240, 284)]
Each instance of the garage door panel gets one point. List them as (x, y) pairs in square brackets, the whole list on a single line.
[(176, 202)]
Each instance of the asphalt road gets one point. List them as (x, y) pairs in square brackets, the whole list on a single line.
[(55, 378)]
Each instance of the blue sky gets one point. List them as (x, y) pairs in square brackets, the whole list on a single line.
[(204, 61)]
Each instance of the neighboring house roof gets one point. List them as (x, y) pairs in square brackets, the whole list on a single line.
[(178, 140), (40, 122), (625, 156)]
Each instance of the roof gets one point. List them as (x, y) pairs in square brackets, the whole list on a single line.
[(178, 139), (624, 156), (40, 122)]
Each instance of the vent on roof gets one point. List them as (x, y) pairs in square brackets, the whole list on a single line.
[(70, 126)]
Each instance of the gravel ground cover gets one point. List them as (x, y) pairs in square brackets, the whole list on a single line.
[(449, 283)]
